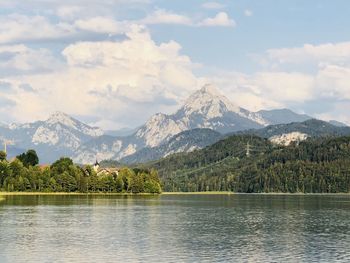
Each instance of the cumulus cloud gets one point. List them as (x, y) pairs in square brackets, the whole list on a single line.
[(101, 25), (5, 86), (213, 5), (161, 16), (16, 28), (221, 19), (6, 102), (316, 55), (114, 81), (121, 81), (324, 94), (265, 90), (20, 59), (109, 78), (68, 12), (19, 28), (58, 3)]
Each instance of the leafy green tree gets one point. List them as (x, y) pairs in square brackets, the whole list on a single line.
[(3, 156), (17, 168), (62, 165), (126, 174), (152, 186), (137, 183), (30, 158), (5, 171), (119, 184), (22, 174), (66, 182)]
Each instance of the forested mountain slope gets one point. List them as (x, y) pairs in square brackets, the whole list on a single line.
[(320, 165)]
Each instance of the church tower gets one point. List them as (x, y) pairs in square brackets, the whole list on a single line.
[(96, 166)]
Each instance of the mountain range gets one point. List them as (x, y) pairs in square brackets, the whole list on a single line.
[(205, 116), (59, 135)]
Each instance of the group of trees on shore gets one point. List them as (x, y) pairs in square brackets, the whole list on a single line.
[(320, 165), (24, 174)]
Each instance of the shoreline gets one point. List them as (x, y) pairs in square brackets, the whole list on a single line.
[(77, 194), (150, 194)]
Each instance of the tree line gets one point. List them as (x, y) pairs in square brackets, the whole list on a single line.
[(24, 174)]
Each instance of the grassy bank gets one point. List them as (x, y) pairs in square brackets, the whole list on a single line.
[(116, 194), (165, 193), (66, 193)]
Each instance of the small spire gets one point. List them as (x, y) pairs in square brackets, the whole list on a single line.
[(96, 166)]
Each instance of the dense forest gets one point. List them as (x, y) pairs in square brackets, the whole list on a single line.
[(251, 164), (24, 174)]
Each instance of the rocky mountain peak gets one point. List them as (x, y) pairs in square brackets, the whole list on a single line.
[(66, 120), (208, 101), (62, 118)]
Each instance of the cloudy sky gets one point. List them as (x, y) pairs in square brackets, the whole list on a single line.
[(114, 63)]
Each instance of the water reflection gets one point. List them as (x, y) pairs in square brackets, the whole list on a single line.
[(175, 228)]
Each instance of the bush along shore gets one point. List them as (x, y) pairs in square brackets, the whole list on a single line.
[(23, 174)]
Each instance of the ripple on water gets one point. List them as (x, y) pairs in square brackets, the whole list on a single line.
[(247, 228)]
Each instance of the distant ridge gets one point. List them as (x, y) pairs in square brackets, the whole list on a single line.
[(62, 135), (206, 108)]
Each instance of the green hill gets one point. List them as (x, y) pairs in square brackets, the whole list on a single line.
[(318, 165)]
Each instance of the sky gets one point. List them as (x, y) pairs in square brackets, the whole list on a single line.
[(114, 63)]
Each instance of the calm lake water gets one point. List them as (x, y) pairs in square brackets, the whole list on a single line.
[(175, 228)]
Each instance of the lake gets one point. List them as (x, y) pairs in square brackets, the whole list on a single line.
[(175, 228)]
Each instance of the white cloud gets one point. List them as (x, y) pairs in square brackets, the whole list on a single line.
[(333, 82), (16, 28), (318, 55), (264, 90), (213, 5), (68, 12), (221, 19), (340, 112), (248, 12), (100, 25), (19, 59), (58, 3), (131, 79), (161, 16), (126, 81)]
